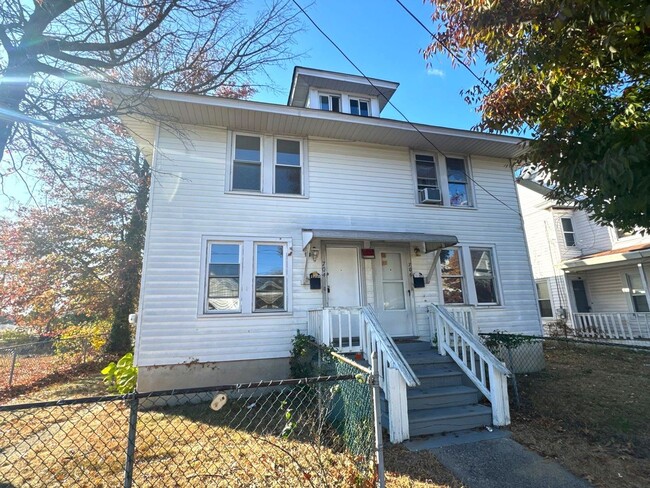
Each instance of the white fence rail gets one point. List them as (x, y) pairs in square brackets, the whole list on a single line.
[(356, 329), (481, 366), (612, 325)]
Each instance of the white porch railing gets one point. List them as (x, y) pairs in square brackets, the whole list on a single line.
[(354, 329), (612, 325), (465, 316), (338, 327), (481, 366)]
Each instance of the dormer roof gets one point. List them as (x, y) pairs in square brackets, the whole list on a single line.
[(304, 78)]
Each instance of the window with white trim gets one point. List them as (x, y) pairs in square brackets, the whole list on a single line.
[(288, 167), (359, 106), (246, 276), (247, 163), (567, 230), (544, 299), (267, 165), (329, 102), (457, 182), (451, 270), (483, 275), (445, 184), (637, 293), (224, 271), (427, 180), (269, 277)]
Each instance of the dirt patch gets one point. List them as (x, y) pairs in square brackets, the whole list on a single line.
[(589, 410), (406, 469)]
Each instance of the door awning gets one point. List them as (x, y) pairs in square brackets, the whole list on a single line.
[(431, 242)]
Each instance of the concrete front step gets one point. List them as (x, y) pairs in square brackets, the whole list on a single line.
[(448, 419)]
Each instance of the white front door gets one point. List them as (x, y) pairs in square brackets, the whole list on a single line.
[(393, 292), (343, 283)]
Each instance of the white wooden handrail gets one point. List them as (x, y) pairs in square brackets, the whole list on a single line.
[(375, 335), (339, 326), (612, 325), (395, 374), (482, 367)]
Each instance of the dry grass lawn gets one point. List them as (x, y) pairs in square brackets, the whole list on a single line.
[(590, 410), (188, 445)]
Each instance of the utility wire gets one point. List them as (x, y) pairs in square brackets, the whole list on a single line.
[(406, 119), (482, 81)]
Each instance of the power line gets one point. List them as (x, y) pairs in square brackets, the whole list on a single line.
[(406, 119), (482, 81)]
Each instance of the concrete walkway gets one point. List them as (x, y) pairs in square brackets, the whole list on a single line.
[(504, 463)]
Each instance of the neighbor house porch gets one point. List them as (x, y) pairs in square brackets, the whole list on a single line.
[(608, 294)]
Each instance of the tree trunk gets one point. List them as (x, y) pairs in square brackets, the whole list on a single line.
[(128, 283)]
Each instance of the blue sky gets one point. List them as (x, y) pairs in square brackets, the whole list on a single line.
[(385, 42)]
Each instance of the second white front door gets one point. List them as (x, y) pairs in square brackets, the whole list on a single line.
[(343, 283), (393, 302)]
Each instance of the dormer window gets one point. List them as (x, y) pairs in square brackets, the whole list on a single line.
[(360, 107), (331, 103)]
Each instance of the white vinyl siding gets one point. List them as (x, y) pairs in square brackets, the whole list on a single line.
[(351, 186)]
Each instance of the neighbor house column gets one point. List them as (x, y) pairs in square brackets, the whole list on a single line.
[(644, 283)]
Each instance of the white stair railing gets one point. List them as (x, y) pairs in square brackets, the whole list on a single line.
[(395, 374), (485, 370)]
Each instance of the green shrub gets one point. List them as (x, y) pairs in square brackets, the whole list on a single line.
[(88, 338), (10, 338), (308, 358), (121, 377)]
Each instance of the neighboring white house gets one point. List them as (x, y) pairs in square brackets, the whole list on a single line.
[(267, 219), (594, 276)]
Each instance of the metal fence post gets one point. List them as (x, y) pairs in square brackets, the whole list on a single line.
[(130, 447), (13, 366), (379, 442)]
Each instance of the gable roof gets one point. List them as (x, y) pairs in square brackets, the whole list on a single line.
[(172, 108)]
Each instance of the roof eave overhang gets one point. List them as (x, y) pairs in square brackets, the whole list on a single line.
[(430, 242), (243, 115), (607, 261)]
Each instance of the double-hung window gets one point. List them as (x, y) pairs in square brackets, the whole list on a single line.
[(483, 274), (544, 299), (637, 293), (360, 107), (567, 230), (331, 103), (444, 184), (247, 163), (457, 183), (224, 272), (269, 277), (427, 180), (267, 165), (246, 276), (288, 167), (451, 269)]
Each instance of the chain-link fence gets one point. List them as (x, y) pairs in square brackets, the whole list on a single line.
[(524, 354), (25, 364), (304, 432)]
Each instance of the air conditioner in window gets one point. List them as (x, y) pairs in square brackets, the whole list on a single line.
[(430, 195)]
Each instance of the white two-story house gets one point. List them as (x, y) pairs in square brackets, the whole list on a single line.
[(593, 276), (319, 216)]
